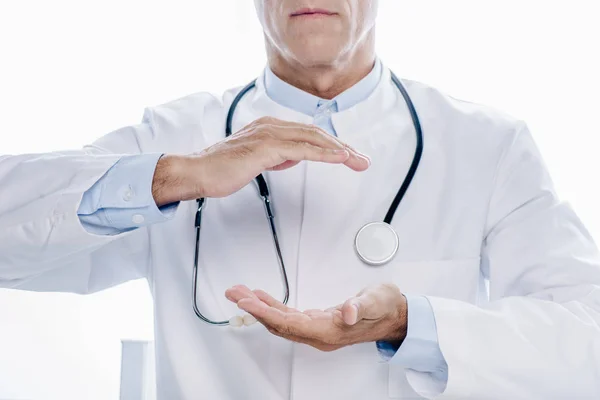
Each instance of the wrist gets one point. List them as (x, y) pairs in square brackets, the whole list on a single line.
[(171, 182), (398, 322)]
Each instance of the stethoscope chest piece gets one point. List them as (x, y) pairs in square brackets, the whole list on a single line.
[(376, 243)]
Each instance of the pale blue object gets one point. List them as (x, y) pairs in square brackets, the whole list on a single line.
[(420, 350), (320, 109), (122, 199)]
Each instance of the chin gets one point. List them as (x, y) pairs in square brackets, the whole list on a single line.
[(315, 51)]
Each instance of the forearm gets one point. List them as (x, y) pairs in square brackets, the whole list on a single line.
[(40, 194)]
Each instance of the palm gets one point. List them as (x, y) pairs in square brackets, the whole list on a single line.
[(325, 330)]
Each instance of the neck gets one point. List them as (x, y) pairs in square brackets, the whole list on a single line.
[(325, 80)]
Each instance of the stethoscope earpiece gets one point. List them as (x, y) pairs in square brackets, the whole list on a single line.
[(238, 321)]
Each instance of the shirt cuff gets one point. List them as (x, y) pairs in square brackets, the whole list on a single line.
[(122, 199), (420, 350)]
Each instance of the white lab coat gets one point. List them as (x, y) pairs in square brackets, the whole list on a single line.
[(481, 206)]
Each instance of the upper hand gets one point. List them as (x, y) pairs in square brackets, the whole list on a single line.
[(376, 313), (263, 145)]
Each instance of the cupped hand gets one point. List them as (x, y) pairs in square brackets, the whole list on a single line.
[(267, 144), (376, 313)]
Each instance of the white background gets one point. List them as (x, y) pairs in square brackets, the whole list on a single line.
[(71, 71)]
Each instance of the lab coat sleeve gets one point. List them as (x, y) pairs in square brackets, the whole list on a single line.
[(122, 199), (539, 336), (43, 245)]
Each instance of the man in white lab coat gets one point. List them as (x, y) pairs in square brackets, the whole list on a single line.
[(481, 207)]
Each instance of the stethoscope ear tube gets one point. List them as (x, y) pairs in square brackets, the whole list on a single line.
[(234, 105), (263, 188), (418, 152), (198, 222), (200, 203)]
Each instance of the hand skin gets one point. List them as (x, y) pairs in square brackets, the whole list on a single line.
[(267, 144), (376, 313)]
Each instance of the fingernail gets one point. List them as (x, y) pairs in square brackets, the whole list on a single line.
[(366, 158), (340, 151), (354, 304)]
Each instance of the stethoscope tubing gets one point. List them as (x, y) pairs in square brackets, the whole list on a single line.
[(264, 194)]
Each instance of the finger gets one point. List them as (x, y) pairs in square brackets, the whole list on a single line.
[(358, 162), (284, 165), (350, 312), (337, 315), (288, 323), (296, 131), (359, 308), (316, 315), (312, 134), (313, 311), (238, 292), (299, 151), (271, 301), (316, 136), (306, 133), (331, 309), (310, 342), (316, 326)]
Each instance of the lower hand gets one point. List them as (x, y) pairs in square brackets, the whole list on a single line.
[(376, 313), (267, 144)]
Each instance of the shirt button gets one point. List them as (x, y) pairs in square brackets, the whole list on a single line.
[(138, 219), (128, 195)]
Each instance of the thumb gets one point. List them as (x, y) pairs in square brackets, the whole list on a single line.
[(357, 308)]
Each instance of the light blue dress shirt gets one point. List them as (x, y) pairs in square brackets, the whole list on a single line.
[(122, 200)]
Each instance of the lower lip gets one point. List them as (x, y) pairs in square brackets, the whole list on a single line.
[(312, 15)]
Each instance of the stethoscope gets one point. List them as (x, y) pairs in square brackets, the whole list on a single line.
[(375, 244)]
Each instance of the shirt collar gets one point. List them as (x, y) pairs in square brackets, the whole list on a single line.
[(296, 99)]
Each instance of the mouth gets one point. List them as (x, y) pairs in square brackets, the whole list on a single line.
[(312, 12)]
